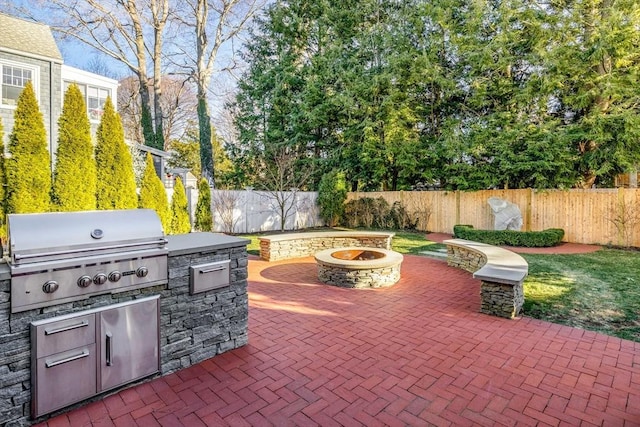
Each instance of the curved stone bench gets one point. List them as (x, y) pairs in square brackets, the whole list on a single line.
[(500, 270), (300, 245)]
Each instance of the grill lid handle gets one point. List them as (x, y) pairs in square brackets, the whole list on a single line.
[(101, 248)]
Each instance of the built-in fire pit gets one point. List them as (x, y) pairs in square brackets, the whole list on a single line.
[(356, 267)]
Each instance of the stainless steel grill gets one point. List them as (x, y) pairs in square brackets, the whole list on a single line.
[(68, 256)]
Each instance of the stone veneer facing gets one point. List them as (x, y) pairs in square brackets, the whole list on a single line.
[(497, 299), (193, 328), (299, 245)]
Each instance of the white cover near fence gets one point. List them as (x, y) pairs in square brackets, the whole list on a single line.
[(249, 211)]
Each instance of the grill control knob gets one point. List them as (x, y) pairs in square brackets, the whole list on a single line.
[(50, 287), (100, 279), (85, 281), (142, 271), (114, 276)]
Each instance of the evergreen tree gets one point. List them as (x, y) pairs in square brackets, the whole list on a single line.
[(222, 163), (203, 216), (153, 195), (332, 193), (28, 170), (592, 81), (115, 187), (3, 183), (74, 179), (180, 222)]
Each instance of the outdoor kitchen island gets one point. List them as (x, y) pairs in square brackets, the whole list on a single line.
[(202, 312)]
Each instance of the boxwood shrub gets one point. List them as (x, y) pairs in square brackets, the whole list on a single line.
[(532, 239)]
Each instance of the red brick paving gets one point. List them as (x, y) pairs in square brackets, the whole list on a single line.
[(416, 354)]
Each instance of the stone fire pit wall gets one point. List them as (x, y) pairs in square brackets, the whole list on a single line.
[(374, 273), (192, 327)]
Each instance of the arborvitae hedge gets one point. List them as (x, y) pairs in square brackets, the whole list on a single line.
[(180, 222), (3, 182), (153, 195), (204, 218), (74, 180), (116, 186), (28, 170)]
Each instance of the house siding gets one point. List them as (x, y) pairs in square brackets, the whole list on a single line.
[(48, 91)]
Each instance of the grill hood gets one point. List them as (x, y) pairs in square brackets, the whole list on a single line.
[(56, 236)]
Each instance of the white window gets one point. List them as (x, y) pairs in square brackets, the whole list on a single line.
[(94, 97), (14, 79)]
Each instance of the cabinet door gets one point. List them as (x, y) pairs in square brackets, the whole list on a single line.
[(129, 343)]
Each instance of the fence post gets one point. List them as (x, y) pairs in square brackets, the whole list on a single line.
[(527, 210), (457, 207)]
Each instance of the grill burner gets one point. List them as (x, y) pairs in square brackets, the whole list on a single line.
[(62, 257)]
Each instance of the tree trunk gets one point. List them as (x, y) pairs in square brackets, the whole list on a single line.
[(160, 12)]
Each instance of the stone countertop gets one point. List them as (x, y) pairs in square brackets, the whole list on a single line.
[(181, 244)]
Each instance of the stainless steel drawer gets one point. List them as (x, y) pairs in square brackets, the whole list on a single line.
[(60, 335), (205, 277), (64, 378)]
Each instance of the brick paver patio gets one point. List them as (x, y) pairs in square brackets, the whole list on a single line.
[(416, 354)]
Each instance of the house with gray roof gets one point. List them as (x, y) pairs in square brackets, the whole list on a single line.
[(28, 52)]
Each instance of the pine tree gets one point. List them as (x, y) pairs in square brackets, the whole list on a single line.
[(153, 195), (74, 179), (180, 222), (115, 187), (204, 218), (28, 170)]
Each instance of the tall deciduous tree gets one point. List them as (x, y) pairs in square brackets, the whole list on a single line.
[(153, 195), (214, 23), (203, 216), (74, 179), (115, 186), (178, 104), (28, 170), (130, 32), (180, 222)]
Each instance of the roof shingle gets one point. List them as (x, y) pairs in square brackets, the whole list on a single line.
[(31, 38)]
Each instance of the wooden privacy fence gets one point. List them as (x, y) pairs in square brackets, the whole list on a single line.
[(596, 216)]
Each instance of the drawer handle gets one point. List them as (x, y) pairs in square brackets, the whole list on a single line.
[(81, 355), (212, 270), (66, 328)]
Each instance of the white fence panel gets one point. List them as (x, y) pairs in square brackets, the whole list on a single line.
[(248, 211)]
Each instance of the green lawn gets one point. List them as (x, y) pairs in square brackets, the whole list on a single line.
[(598, 291)]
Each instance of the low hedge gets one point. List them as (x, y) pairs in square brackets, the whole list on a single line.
[(531, 239)]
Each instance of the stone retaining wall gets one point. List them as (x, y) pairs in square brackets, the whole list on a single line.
[(497, 299), (300, 245), (192, 327)]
